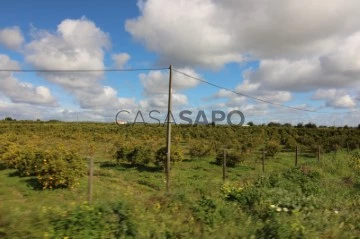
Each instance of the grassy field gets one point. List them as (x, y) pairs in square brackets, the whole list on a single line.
[(313, 200)]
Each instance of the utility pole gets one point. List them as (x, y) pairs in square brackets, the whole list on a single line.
[(224, 165), (168, 135), (296, 155), (90, 178)]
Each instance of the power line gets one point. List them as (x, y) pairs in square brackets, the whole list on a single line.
[(253, 97), (84, 70)]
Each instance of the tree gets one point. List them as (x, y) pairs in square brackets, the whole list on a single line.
[(250, 123), (310, 125), (161, 156), (9, 119), (300, 125), (273, 124)]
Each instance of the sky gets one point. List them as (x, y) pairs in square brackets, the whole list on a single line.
[(293, 54)]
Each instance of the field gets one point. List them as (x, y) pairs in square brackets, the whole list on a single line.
[(44, 182)]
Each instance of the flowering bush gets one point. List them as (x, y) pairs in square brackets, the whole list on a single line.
[(60, 169)]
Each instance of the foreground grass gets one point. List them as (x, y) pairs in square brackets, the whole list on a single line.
[(250, 204)]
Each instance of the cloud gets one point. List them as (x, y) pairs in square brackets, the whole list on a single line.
[(335, 98), (253, 90), (340, 67), (156, 87), (77, 45), (157, 82), (22, 92), (213, 33), (183, 34), (11, 37), (120, 59)]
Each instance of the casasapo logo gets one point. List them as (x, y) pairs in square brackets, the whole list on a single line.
[(233, 118)]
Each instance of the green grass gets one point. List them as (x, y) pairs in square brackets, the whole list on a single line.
[(196, 206)]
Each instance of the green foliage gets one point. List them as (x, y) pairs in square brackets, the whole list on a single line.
[(355, 162), (106, 221), (272, 148), (60, 169), (52, 168), (121, 153), (233, 158), (207, 212), (161, 156), (199, 150), (140, 155)]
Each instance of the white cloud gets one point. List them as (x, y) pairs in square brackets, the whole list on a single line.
[(22, 92), (120, 59), (335, 98), (253, 90), (77, 45), (11, 37), (157, 82), (340, 67), (184, 33), (213, 33), (156, 86)]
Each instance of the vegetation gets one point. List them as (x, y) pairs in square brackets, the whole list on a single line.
[(43, 183)]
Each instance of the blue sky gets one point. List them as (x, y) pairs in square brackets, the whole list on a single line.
[(305, 56)]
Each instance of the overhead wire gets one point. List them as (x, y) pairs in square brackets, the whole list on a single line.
[(255, 98)]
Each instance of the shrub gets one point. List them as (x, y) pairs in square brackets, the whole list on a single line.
[(121, 153), (272, 148), (24, 159), (161, 156), (232, 158), (52, 168), (199, 150), (355, 162), (101, 221), (140, 156), (60, 169)]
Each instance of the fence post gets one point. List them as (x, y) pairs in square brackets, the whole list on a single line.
[(224, 165), (91, 172), (296, 156), (263, 160), (318, 154)]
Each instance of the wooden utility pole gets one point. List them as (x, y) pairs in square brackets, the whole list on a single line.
[(224, 165), (91, 172), (168, 135), (296, 155)]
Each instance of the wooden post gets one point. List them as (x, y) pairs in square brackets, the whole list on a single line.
[(296, 156), (91, 172), (168, 135), (224, 165), (347, 146), (263, 160), (318, 154)]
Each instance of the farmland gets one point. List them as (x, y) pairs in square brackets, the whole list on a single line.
[(44, 184)]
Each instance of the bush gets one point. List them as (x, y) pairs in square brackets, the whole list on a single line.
[(121, 153), (24, 159), (199, 150), (52, 168), (355, 162), (60, 169), (272, 148), (161, 156), (232, 158), (140, 156), (108, 221)]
